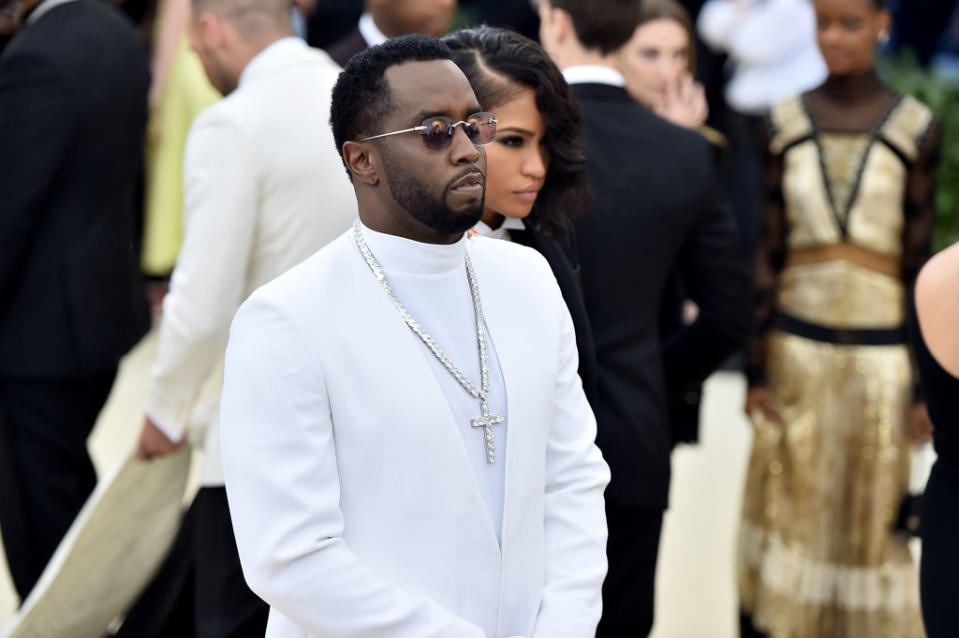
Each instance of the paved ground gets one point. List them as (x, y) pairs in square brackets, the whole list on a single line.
[(696, 589)]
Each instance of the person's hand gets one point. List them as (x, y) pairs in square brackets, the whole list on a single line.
[(685, 103), (154, 443), (918, 424), (760, 399)]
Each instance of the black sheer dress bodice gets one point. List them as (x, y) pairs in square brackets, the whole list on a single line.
[(847, 119)]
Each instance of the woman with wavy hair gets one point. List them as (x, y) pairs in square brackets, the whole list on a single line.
[(536, 170)]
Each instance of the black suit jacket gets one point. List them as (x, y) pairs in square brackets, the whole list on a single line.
[(73, 113), (656, 206), (561, 254), (352, 43)]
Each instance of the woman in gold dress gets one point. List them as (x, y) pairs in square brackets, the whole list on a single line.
[(849, 212)]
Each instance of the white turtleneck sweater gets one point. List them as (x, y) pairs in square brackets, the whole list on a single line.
[(430, 281)]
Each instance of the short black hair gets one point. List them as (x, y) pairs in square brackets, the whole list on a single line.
[(604, 25), (362, 96), (500, 63)]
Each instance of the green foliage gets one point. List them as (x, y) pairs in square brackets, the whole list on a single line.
[(942, 95)]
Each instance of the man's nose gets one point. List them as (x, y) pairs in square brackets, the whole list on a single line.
[(462, 149)]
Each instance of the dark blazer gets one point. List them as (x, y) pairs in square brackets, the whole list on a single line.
[(656, 206), (352, 43), (73, 113), (561, 254)]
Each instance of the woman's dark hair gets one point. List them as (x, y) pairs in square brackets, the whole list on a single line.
[(499, 64)]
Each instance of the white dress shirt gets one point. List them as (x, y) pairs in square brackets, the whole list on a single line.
[(43, 8), (593, 74), (430, 281), (772, 44), (264, 188), (502, 231), (370, 32)]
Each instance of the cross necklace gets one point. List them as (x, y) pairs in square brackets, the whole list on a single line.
[(486, 420)]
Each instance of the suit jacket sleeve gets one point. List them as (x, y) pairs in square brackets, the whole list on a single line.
[(280, 464), (35, 121), (716, 273), (210, 276), (575, 515)]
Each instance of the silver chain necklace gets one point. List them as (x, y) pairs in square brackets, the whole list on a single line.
[(487, 420)]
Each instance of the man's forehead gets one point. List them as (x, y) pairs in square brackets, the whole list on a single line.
[(434, 86)]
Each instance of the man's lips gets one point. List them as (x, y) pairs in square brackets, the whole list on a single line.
[(470, 183)]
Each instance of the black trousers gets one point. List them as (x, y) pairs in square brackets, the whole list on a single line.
[(46, 474), (746, 627), (200, 591), (629, 590)]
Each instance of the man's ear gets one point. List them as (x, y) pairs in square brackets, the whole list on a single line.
[(209, 29), (361, 160), (562, 27)]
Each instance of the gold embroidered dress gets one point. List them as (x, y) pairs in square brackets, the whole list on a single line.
[(848, 220)]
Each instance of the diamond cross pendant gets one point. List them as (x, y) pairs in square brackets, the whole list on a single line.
[(487, 421)]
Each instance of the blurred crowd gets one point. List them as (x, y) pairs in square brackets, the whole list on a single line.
[(717, 183)]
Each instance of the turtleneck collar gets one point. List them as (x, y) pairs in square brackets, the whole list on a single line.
[(401, 255), (853, 88)]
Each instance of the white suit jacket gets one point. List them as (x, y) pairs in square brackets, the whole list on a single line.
[(265, 188), (356, 510)]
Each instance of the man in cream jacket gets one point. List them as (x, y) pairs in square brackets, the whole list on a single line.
[(264, 189)]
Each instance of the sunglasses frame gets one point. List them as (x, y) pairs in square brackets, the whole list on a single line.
[(451, 127)]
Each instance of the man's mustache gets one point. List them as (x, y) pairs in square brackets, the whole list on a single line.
[(466, 173)]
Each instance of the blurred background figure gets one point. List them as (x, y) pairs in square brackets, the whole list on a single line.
[(178, 92), (264, 188), (657, 210), (536, 176), (384, 19), (659, 63), (73, 108), (849, 212), (772, 48), (936, 346), (919, 25), (332, 20)]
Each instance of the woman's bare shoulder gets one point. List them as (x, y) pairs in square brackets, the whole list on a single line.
[(937, 305)]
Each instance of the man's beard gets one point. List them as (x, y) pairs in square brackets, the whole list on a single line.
[(427, 207)]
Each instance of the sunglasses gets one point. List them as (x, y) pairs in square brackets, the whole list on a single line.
[(438, 131)]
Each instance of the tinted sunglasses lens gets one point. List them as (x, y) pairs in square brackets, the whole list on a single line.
[(481, 128), (438, 133)]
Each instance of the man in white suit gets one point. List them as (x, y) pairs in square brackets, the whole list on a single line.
[(407, 448), (264, 190)]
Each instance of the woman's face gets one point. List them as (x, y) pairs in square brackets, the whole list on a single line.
[(847, 32), (517, 160), (654, 59)]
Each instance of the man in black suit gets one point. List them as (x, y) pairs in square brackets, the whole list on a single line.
[(73, 108), (655, 208), (383, 19)]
